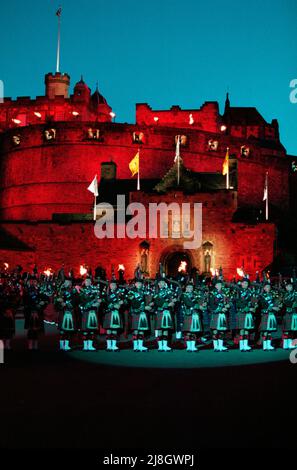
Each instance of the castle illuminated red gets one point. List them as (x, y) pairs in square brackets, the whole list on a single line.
[(52, 146)]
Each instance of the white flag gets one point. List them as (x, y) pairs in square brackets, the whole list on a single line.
[(94, 187)]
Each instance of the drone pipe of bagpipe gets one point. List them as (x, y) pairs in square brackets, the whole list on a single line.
[(172, 281), (105, 283)]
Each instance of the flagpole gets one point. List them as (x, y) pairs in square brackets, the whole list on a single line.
[(266, 195), (95, 200), (95, 212), (178, 159), (138, 175), (227, 174), (59, 42)]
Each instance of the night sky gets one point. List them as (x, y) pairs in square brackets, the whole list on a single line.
[(162, 52)]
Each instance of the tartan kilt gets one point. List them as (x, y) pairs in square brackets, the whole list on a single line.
[(219, 322), (164, 320), (140, 321), (268, 322), (112, 321), (290, 322), (66, 321), (245, 321), (89, 320), (192, 323)]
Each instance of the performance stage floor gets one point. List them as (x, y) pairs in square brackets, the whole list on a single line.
[(181, 359), (50, 399)]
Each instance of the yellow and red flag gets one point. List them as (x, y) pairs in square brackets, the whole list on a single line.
[(225, 169), (134, 164)]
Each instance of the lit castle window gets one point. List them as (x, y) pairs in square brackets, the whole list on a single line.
[(16, 140), (183, 139), (93, 134), (244, 151), (213, 145), (138, 137), (50, 134)]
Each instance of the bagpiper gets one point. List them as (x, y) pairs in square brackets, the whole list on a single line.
[(89, 302), (245, 308), (67, 302), (113, 322), (139, 308), (164, 302), (269, 305), (192, 304), (218, 306), (35, 302), (290, 317)]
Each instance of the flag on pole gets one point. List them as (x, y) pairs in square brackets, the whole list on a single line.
[(94, 187), (134, 164), (225, 170), (59, 12)]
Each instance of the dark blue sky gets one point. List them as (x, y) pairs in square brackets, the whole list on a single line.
[(163, 52)]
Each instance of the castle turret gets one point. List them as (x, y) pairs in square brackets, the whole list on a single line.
[(82, 92), (100, 105), (98, 99), (227, 104), (57, 85)]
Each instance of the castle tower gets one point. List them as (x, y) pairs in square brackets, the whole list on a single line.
[(57, 85), (82, 92), (100, 105)]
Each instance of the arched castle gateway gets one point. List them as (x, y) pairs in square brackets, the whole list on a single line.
[(52, 146)]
